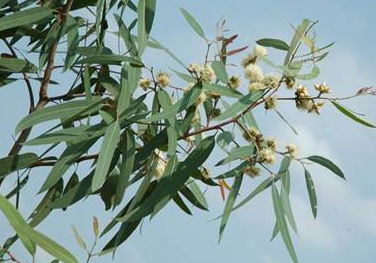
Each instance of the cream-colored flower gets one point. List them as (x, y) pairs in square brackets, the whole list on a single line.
[(145, 83), (254, 73), (252, 134), (290, 82), (260, 51), (302, 92), (270, 103), (322, 88), (163, 79), (234, 82), (272, 144), (315, 107), (271, 81), (196, 69), (249, 59), (208, 74), (252, 171), (196, 117), (291, 150), (256, 86), (160, 168), (266, 155)]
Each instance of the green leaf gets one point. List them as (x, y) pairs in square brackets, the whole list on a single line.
[(110, 60), (220, 71), (351, 115), (311, 193), (242, 104), (74, 194), (13, 163), (61, 111), (72, 41), (327, 164), (238, 153), (165, 101), (157, 45), (15, 65), (169, 185), (100, 6), (299, 32), (79, 239), (68, 135), (48, 245), (24, 17), (180, 203), (193, 23), (313, 74), (281, 222), (189, 99), (126, 36), (224, 139), (223, 91), (285, 200), (141, 26), (150, 6), (110, 141), (128, 148), (16, 220), (67, 158), (191, 197), (199, 195), (230, 203), (274, 43), (234, 172)]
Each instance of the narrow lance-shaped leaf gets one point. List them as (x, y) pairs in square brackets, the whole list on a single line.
[(24, 17), (327, 164), (48, 244), (220, 71), (311, 192), (281, 222), (16, 65), (67, 158), (61, 111), (230, 203), (128, 149), (170, 185), (141, 26), (193, 23), (241, 105), (296, 39), (16, 162), (110, 140), (274, 43), (351, 115), (16, 220), (72, 41)]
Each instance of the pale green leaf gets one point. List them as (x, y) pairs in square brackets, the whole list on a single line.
[(351, 115)]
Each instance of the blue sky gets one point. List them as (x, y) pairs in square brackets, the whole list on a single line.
[(345, 229)]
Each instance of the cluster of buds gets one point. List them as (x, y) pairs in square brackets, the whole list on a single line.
[(304, 101), (322, 88), (204, 73)]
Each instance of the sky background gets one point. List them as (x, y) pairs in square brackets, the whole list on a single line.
[(345, 228)]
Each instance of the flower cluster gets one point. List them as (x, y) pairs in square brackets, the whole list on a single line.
[(204, 73)]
